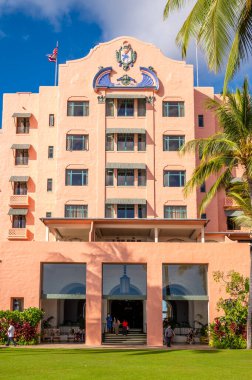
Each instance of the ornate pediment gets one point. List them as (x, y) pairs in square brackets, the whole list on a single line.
[(149, 80)]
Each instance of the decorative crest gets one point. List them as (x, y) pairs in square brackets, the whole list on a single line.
[(125, 56), (126, 80)]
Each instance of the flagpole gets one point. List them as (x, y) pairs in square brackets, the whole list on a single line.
[(56, 67), (197, 65)]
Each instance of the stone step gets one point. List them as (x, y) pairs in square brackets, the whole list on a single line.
[(133, 338)]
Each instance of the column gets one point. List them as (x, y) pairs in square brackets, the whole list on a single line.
[(154, 303), (93, 302)]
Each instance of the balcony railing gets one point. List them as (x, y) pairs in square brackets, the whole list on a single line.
[(17, 233), (229, 202), (18, 200), (21, 160)]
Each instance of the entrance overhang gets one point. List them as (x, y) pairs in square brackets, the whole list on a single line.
[(125, 297)]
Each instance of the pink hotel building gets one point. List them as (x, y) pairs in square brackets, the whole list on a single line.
[(93, 217)]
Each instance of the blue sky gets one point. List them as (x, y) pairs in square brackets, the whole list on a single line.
[(29, 30)]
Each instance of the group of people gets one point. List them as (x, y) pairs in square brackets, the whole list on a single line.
[(113, 325)]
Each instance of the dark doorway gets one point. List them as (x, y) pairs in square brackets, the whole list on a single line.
[(180, 312), (132, 311), (74, 312)]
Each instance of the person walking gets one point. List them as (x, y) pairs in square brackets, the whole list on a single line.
[(10, 334), (109, 323), (117, 324), (169, 334), (125, 327)]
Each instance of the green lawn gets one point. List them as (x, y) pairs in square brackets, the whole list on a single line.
[(60, 364)]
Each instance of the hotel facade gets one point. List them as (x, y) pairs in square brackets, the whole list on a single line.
[(93, 216)]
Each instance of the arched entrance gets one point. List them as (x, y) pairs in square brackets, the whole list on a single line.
[(130, 310)]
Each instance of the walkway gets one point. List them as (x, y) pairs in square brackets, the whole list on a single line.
[(82, 346)]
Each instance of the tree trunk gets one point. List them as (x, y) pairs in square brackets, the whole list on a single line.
[(249, 302), (249, 319)]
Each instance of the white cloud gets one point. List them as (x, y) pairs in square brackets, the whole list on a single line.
[(142, 19)]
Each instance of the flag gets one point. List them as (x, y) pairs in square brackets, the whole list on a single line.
[(53, 57)]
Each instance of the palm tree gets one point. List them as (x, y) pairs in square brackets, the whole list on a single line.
[(222, 28), (222, 152)]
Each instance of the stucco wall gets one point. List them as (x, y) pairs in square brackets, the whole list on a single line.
[(20, 271)]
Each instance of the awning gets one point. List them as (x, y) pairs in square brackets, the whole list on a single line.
[(125, 96), (126, 130), (125, 201), (18, 211), (20, 146), (19, 178), (21, 114), (120, 165), (233, 212)]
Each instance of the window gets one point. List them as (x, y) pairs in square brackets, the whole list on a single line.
[(175, 212), (125, 142), (76, 211), (203, 188), (231, 224), (185, 280), (109, 211), (141, 142), (125, 211), (20, 188), (23, 125), (125, 177), (22, 157), (173, 143), (141, 177), (174, 178), (110, 107), (19, 221), (51, 120), (50, 152), (141, 107), (64, 279), (76, 177), (109, 142), (173, 109), (109, 177), (76, 142), (48, 214), (125, 107), (49, 184), (78, 108), (203, 216), (17, 304), (142, 211), (201, 121)]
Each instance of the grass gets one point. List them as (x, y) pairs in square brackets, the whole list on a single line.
[(109, 364)]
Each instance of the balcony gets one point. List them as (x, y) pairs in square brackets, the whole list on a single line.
[(19, 200), (17, 234), (230, 203)]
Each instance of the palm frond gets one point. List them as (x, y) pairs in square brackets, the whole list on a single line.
[(214, 166), (173, 5), (216, 32), (221, 182), (192, 25)]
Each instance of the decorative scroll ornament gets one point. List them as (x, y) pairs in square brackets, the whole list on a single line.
[(126, 80), (150, 99), (125, 56), (101, 99)]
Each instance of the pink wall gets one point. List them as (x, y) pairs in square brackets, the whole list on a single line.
[(20, 273), (75, 83)]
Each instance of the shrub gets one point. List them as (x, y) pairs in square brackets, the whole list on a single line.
[(229, 330), (25, 323)]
